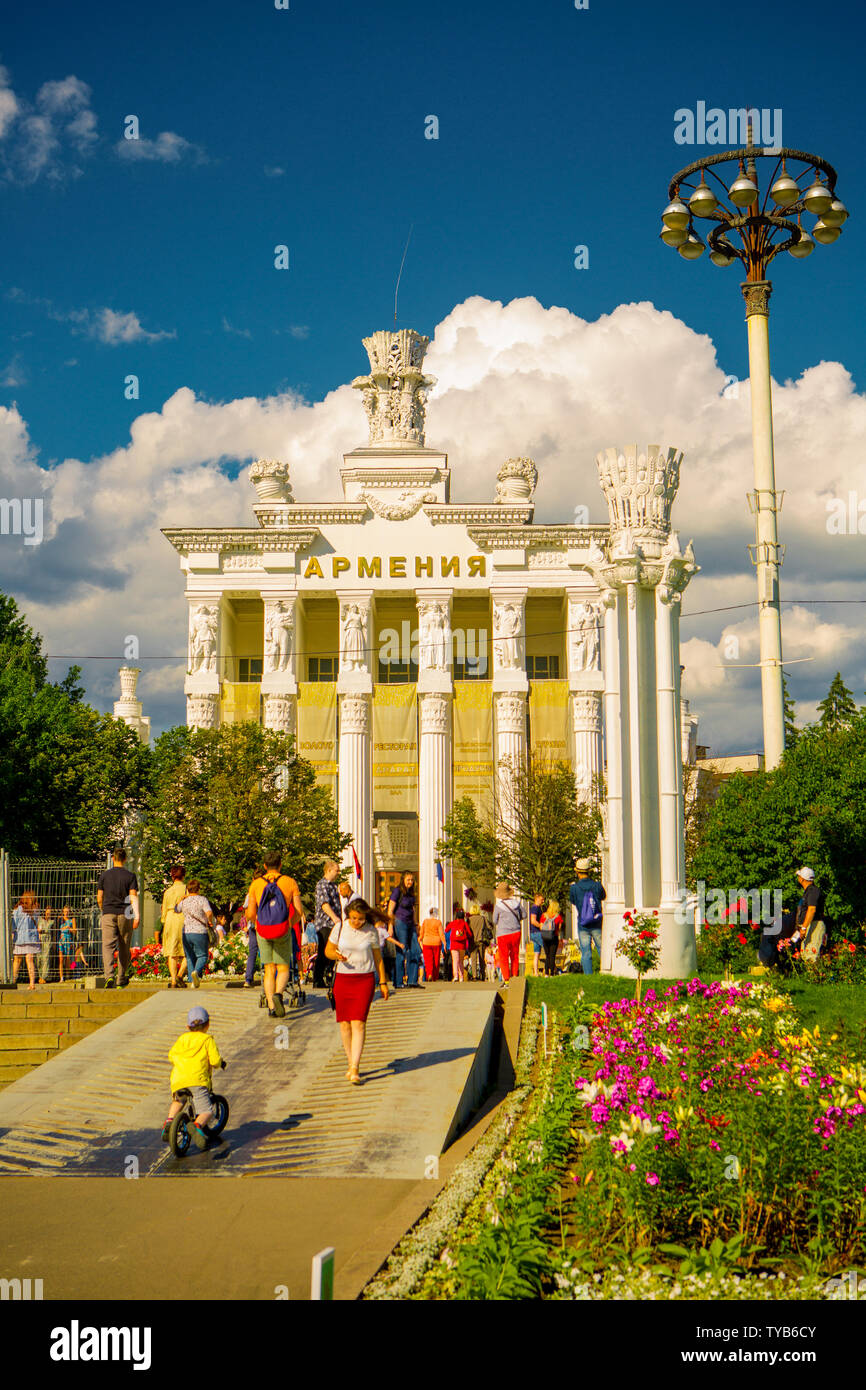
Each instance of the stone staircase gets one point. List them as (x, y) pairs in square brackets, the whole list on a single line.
[(34, 1027)]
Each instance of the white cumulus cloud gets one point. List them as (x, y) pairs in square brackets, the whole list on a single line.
[(513, 379)]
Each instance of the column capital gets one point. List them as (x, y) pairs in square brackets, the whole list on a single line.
[(354, 713), (435, 712), (757, 293), (510, 711), (279, 712), (202, 711)]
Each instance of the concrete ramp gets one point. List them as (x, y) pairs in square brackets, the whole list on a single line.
[(100, 1105)]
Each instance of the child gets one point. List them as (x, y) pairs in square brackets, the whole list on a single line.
[(491, 964), (68, 954), (551, 926), (193, 1056)]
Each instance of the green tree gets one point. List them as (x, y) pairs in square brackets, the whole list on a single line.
[(221, 798), (792, 733), (811, 809), (70, 777), (530, 836), (838, 707)]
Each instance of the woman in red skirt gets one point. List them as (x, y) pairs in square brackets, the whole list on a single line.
[(355, 947)]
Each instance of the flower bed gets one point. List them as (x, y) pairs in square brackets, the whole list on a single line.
[(703, 1143), (225, 960)]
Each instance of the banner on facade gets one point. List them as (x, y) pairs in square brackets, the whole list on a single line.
[(548, 721), (473, 742), (240, 701), (395, 749), (317, 730)]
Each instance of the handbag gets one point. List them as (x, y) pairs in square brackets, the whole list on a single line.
[(331, 999)]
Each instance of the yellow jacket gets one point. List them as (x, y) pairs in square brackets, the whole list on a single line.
[(193, 1055)]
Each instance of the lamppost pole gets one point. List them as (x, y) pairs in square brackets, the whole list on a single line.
[(763, 233)]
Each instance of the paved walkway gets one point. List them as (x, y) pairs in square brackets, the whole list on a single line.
[(295, 1124), (101, 1104)]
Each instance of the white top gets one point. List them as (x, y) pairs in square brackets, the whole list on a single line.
[(357, 946)]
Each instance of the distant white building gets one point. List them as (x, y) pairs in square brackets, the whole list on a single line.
[(128, 708)]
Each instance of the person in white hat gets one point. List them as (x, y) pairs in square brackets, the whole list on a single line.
[(811, 929), (587, 895)]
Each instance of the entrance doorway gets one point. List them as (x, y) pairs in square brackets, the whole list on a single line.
[(386, 881)]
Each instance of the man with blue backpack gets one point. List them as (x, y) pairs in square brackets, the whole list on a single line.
[(273, 906), (587, 895)]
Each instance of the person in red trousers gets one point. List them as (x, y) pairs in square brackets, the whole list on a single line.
[(432, 941), (508, 925)]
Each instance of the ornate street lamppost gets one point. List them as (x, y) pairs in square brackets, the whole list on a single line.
[(764, 227)]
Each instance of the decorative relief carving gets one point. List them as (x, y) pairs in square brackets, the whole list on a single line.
[(516, 481), (203, 627), (407, 504), (242, 562), (279, 713), (757, 297), (354, 714), (201, 711), (395, 392), (546, 559)]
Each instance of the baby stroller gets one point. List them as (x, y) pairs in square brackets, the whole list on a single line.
[(296, 980)]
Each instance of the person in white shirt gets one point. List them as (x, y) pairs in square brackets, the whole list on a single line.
[(355, 946)]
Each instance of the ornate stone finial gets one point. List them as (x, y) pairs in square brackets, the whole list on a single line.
[(516, 481), (270, 478), (395, 392), (640, 489)]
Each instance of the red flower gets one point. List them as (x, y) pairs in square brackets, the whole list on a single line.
[(741, 939), (655, 912), (641, 953)]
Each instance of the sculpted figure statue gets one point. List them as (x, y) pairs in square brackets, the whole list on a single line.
[(279, 637), (203, 638), (585, 647), (506, 632), (354, 628), (434, 637)]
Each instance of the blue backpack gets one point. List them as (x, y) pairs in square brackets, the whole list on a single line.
[(272, 913), (589, 910)]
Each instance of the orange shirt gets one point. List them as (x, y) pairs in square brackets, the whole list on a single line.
[(432, 932), (287, 886)]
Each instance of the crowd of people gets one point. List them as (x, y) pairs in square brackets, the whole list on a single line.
[(49, 943)]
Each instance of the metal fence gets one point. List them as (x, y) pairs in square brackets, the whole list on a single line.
[(55, 884)]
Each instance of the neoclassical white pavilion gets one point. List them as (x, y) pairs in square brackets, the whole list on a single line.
[(416, 646)]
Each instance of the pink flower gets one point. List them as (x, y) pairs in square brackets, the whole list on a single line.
[(652, 1179)]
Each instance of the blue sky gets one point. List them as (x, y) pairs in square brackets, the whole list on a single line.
[(556, 129), (306, 127)]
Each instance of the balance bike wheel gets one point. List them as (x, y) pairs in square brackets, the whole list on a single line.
[(221, 1111), (179, 1136)]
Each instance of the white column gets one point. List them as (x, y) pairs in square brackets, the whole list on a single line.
[(635, 768), (355, 783), (434, 800), (202, 684), (669, 746), (768, 555), (614, 905), (434, 750), (355, 763), (586, 727)]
